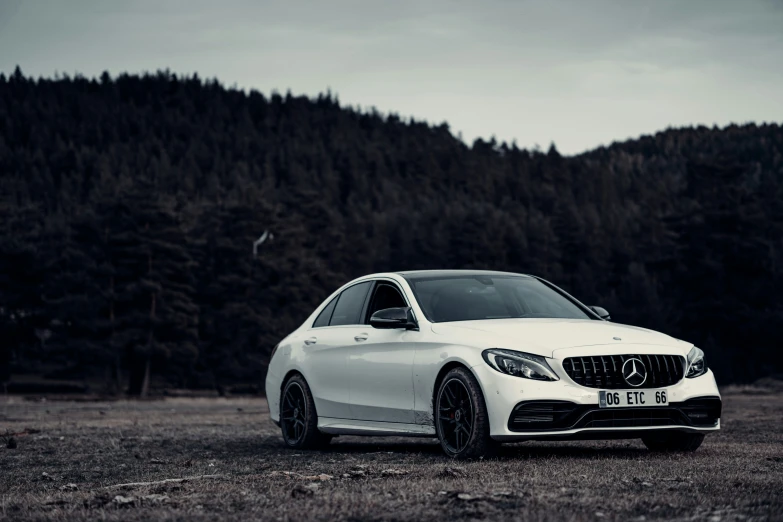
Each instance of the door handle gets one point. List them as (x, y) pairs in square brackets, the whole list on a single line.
[(361, 337), (311, 340)]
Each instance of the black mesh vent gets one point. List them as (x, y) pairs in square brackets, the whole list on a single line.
[(703, 411), (605, 371), (542, 416), (632, 418)]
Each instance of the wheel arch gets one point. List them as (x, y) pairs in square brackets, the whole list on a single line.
[(288, 375), (292, 372), (439, 379)]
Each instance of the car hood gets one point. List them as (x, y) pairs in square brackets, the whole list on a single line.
[(545, 336)]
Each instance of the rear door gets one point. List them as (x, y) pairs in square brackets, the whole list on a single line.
[(326, 347), (380, 363)]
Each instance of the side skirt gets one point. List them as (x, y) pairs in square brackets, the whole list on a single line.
[(373, 428)]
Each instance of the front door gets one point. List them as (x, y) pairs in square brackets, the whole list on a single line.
[(380, 363)]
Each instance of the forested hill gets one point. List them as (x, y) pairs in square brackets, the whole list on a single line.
[(129, 207)]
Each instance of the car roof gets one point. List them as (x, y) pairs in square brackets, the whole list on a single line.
[(416, 274)]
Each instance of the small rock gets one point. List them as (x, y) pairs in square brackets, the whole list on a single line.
[(323, 477), (502, 493), (46, 476), (123, 501), (599, 514), (304, 490), (157, 461), (156, 498), (393, 472), (468, 497), (69, 487)]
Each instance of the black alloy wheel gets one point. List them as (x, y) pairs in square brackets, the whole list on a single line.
[(455, 415), (462, 422), (292, 414), (298, 418)]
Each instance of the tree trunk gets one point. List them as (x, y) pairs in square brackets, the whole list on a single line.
[(139, 380), (145, 384)]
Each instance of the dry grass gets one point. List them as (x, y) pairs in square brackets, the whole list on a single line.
[(70, 469)]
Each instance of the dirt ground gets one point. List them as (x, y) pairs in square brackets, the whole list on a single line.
[(72, 458)]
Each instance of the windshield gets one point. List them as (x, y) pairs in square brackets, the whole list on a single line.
[(472, 297)]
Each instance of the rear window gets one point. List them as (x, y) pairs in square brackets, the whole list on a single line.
[(325, 315)]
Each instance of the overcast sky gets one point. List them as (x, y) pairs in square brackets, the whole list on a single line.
[(579, 73)]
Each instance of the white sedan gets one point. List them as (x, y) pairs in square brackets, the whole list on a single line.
[(476, 358)]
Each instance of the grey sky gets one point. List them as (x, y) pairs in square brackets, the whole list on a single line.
[(580, 73)]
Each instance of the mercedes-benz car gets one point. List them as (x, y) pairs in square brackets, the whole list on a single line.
[(477, 358)]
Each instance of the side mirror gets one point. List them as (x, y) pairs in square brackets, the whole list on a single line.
[(394, 318), (601, 312)]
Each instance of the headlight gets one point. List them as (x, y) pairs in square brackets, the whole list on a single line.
[(519, 364), (696, 364)]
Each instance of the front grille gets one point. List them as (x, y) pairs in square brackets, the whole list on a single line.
[(605, 371)]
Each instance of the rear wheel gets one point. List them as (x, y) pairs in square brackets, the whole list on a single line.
[(673, 441), (298, 418), (462, 422)]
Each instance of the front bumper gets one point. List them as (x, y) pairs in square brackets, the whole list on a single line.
[(576, 413)]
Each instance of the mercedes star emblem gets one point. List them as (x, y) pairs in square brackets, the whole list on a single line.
[(634, 372)]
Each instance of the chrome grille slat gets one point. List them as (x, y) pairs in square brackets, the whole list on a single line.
[(665, 362), (651, 375)]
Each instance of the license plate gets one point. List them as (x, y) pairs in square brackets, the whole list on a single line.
[(632, 398)]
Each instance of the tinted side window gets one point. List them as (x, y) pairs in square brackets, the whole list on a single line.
[(385, 296), (325, 315), (349, 305)]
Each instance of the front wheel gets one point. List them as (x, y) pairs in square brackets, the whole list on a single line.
[(298, 418), (673, 441), (462, 421)]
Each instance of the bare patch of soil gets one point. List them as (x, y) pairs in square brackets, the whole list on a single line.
[(223, 459)]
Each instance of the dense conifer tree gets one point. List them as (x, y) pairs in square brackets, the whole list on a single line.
[(129, 205)]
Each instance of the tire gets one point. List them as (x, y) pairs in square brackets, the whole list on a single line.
[(298, 418), (461, 418), (673, 441)]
